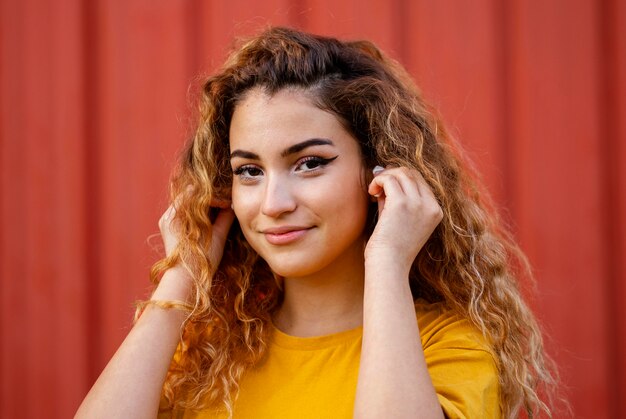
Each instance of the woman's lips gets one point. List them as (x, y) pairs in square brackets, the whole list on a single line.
[(280, 236)]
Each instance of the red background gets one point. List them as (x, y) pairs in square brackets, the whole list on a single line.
[(95, 105)]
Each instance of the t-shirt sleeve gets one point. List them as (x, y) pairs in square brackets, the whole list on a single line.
[(460, 363)]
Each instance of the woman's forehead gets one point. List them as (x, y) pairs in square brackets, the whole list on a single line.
[(262, 121)]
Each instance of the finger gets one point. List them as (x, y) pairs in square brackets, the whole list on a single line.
[(377, 192), (430, 200), (381, 203), (169, 213), (380, 171), (424, 188), (412, 180), (167, 216), (408, 180), (385, 184), (414, 183)]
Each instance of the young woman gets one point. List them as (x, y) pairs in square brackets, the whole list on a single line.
[(328, 255)]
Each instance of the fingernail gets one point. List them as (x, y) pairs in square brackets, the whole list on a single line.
[(376, 170)]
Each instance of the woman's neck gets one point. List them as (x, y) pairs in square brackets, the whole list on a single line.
[(330, 301)]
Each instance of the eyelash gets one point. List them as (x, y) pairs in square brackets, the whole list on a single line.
[(240, 171), (321, 161)]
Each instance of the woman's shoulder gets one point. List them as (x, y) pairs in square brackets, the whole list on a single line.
[(438, 324), (460, 361)]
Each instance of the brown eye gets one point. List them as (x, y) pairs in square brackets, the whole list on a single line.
[(248, 172), (308, 164)]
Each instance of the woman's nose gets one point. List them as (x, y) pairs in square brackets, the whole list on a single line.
[(278, 198)]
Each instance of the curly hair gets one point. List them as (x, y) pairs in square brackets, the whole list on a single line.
[(470, 262)]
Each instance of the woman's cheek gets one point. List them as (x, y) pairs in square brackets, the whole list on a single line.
[(247, 210)]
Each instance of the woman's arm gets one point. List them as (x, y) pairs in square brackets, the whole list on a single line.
[(130, 385), (393, 379)]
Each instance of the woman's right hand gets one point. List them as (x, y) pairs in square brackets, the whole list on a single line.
[(170, 233), (170, 229)]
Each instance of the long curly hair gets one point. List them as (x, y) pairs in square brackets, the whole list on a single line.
[(470, 262)]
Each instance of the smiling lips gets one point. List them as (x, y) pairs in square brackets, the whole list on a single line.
[(284, 235)]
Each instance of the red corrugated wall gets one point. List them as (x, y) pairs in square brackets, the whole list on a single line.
[(95, 103)]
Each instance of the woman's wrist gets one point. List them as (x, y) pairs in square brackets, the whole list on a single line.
[(176, 285), (386, 265)]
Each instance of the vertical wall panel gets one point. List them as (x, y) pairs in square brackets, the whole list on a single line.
[(140, 86), (613, 46), (14, 245), (461, 72), (95, 106), (370, 19), (219, 23), (43, 259), (39, 221), (66, 272), (559, 207)]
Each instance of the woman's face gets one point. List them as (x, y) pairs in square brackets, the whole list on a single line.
[(298, 184)]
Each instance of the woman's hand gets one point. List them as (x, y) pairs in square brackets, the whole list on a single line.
[(176, 283), (408, 213), (170, 229)]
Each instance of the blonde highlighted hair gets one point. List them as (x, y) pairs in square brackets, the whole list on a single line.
[(470, 262)]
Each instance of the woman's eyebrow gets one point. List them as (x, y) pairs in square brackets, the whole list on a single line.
[(245, 155), (304, 144), (290, 150)]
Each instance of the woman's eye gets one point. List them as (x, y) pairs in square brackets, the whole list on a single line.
[(311, 163), (248, 172)]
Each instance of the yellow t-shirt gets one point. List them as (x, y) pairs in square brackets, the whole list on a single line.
[(316, 377)]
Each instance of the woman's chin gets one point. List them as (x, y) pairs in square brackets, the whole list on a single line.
[(293, 269)]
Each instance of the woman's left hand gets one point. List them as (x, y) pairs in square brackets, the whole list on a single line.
[(408, 213)]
